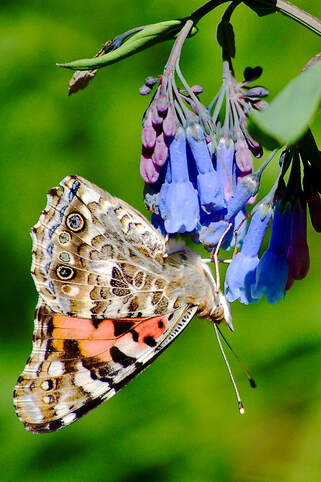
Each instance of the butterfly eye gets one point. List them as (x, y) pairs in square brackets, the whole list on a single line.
[(75, 222), (65, 272)]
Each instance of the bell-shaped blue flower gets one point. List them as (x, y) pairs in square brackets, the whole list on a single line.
[(226, 167), (241, 273), (213, 233), (273, 269), (209, 188), (246, 188), (178, 202)]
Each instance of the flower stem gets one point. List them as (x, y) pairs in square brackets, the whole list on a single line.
[(205, 9), (176, 50), (299, 15)]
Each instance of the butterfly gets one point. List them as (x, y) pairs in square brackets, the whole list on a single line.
[(112, 296)]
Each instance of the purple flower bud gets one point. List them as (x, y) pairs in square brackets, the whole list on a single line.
[(314, 203), (151, 81), (197, 89), (148, 170), (208, 184), (254, 147), (225, 166), (243, 156), (157, 120), (298, 251), (273, 269), (144, 90), (148, 137), (245, 189), (257, 92), (160, 153), (162, 105), (170, 123), (260, 105), (252, 200)]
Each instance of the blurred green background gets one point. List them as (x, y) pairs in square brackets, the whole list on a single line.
[(178, 421)]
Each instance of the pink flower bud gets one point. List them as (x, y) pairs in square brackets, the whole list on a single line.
[(148, 170), (148, 137), (160, 153), (144, 90), (197, 89), (243, 156), (170, 123), (162, 105), (252, 200), (260, 105), (157, 120)]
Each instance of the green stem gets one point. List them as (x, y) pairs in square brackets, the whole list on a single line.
[(298, 15)]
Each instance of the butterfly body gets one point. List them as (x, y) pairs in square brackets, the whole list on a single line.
[(112, 297)]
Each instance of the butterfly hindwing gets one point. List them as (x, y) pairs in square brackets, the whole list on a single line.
[(78, 363)]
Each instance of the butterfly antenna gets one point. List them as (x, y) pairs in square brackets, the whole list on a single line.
[(239, 401), (247, 373)]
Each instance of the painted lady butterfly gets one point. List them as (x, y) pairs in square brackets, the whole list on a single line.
[(112, 297)]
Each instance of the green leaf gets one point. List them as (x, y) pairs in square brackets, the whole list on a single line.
[(146, 37), (290, 112)]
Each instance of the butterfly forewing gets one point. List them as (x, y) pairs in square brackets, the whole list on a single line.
[(95, 256)]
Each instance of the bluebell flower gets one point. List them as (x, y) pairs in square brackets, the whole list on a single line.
[(241, 273), (245, 189), (225, 166), (273, 269), (241, 226), (209, 188), (211, 234), (178, 204)]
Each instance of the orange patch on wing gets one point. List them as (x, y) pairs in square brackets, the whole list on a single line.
[(152, 327), (97, 341), (69, 328), (97, 348)]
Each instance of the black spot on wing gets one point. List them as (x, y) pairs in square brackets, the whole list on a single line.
[(121, 327), (53, 191), (120, 357), (134, 335), (150, 341)]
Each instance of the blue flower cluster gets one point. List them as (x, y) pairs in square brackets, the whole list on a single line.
[(203, 181)]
